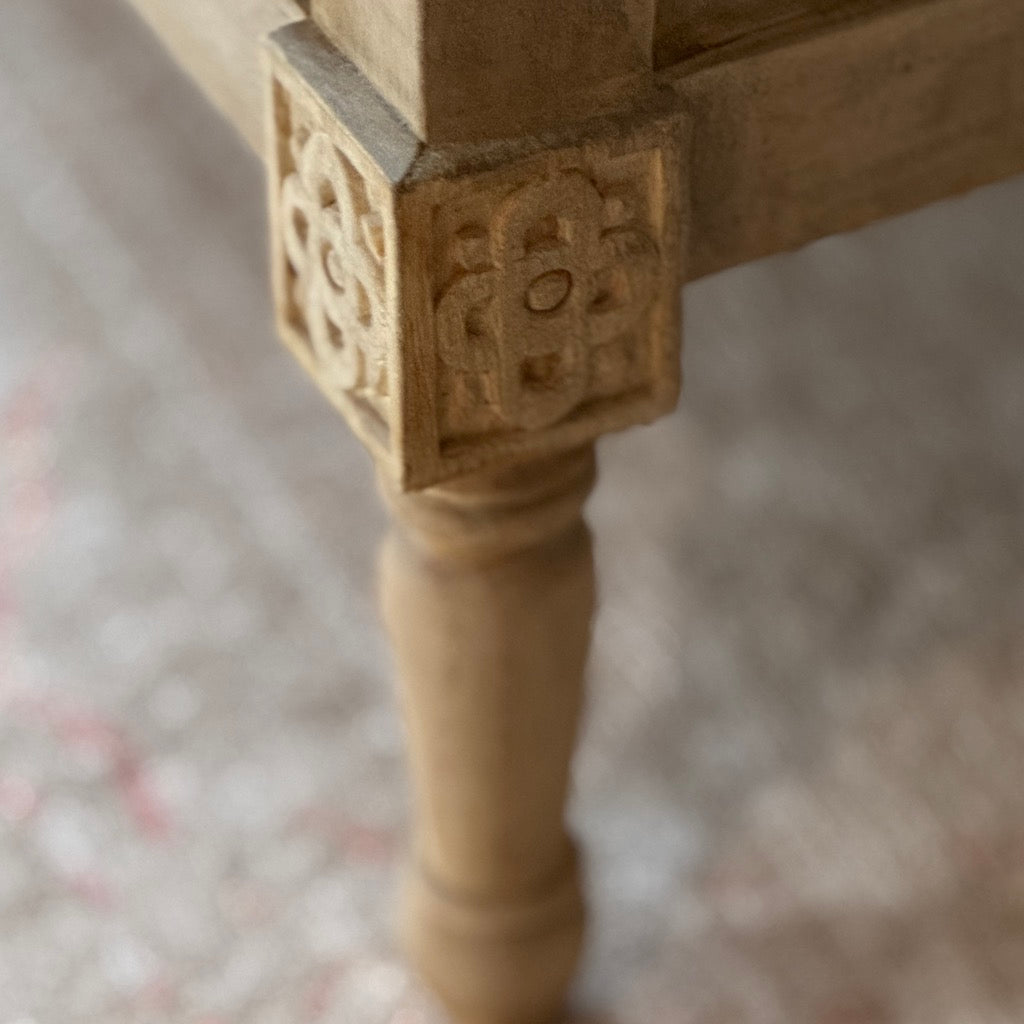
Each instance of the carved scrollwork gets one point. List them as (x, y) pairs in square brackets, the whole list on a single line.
[(469, 307), (333, 242), (547, 306)]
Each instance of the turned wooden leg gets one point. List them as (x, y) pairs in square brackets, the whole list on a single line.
[(480, 315), (488, 592)]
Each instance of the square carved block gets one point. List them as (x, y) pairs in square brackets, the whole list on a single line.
[(469, 307)]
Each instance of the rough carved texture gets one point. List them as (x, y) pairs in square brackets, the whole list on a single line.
[(816, 125), (554, 292), (474, 309), (480, 313), (547, 305), (332, 256)]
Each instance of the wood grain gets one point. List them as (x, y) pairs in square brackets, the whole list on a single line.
[(485, 306), (464, 311), (488, 591), (797, 136), (830, 130), (687, 27), (493, 68)]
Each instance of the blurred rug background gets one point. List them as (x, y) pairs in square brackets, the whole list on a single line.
[(801, 784)]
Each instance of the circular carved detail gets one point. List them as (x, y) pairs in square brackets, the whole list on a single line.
[(334, 245), (546, 292)]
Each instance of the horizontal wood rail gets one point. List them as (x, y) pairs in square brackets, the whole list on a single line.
[(796, 136)]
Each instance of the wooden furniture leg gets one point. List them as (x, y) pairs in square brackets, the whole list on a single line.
[(488, 591), (480, 315), (480, 221)]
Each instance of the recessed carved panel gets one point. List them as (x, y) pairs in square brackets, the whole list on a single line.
[(334, 245), (549, 297), (331, 258), (468, 308)]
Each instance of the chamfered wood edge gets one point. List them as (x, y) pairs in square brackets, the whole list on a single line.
[(459, 72), (623, 177), (795, 137)]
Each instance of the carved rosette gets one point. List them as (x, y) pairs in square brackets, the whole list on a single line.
[(474, 309), (329, 256), (549, 306), (334, 244)]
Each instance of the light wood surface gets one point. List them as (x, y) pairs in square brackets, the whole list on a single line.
[(883, 112), (806, 675), (488, 592), (830, 130), (494, 68), (685, 27), (481, 217), (480, 314)]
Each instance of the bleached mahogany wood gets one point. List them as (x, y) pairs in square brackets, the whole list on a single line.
[(481, 310), (814, 127), (686, 27), (480, 224), (494, 68), (473, 305), (479, 314), (829, 130), (487, 586)]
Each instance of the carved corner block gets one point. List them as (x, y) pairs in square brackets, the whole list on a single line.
[(470, 307)]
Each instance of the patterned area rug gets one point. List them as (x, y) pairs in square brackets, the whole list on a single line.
[(801, 784)]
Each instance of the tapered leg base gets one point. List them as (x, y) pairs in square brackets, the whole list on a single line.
[(488, 592), (492, 962)]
